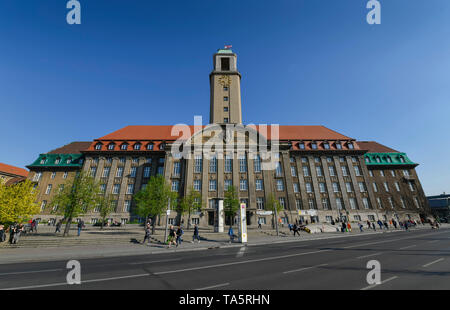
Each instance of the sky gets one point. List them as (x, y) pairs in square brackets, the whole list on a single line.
[(303, 62)]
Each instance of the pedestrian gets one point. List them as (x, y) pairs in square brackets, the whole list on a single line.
[(386, 225), (80, 226), (17, 231), (373, 226), (195, 235), (343, 227), (180, 233), (2, 233), (406, 225), (33, 226), (394, 222), (172, 236), (349, 227), (231, 234), (296, 230), (147, 234), (368, 224), (380, 224), (11, 233), (259, 225), (58, 227), (360, 227)]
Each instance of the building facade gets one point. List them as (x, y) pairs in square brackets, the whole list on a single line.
[(11, 174), (317, 174)]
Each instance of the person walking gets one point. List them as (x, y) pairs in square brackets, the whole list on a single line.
[(33, 226), (296, 230), (373, 226), (180, 233), (360, 227), (368, 224), (58, 227), (349, 227), (2, 233), (147, 234), (80, 226), (394, 222), (343, 227), (231, 234), (386, 225), (172, 236), (380, 224), (195, 235)]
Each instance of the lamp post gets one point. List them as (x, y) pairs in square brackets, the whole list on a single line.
[(167, 220), (275, 205)]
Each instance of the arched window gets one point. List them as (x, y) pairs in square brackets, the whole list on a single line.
[(124, 146), (111, 146), (98, 146), (137, 146), (162, 146), (150, 146)]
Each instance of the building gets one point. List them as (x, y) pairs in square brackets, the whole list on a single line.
[(317, 174), (11, 174), (440, 206)]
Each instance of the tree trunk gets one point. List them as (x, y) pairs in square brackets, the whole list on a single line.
[(67, 228), (189, 219)]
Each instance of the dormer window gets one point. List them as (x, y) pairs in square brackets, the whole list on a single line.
[(326, 145), (378, 159), (402, 160), (162, 146), (301, 145), (367, 160), (314, 145), (350, 146), (111, 146), (338, 145), (389, 160), (98, 146), (43, 160), (124, 147), (57, 161), (150, 146), (68, 161), (137, 146)]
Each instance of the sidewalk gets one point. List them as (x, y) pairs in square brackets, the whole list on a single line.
[(209, 240)]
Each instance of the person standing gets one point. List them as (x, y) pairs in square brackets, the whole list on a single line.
[(172, 236), (195, 235), (2, 233), (368, 224), (180, 232), (147, 234), (373, 226), (80, 226), (296, 230), (231, 234), (58, 226)]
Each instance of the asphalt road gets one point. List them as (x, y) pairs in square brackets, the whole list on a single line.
[(409, 260)]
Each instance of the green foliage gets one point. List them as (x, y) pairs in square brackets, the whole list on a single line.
[(154, 198), (231, 201), (273, 203), (190, 203), (105, 206), (17, 202)]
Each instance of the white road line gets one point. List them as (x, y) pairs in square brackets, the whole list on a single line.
[(382, 282), (238, 263), (306, 268), (408, 247), (213, 286), (25, 272), (241, 252), (154, 261), (364, 256), (432, 241), (433, 262)]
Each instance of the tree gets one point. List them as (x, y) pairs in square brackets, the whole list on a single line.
[(105, 207), (273, 205), (191, 202), (152, 201), (78, 196), (231, 203), (17, 202)]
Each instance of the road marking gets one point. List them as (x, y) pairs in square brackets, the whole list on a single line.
[(238, 263), (241, 252), (382, 282), (155, 261), (213, 286), (306, 268), (24, 272), (432, 241), (364, 256), (408, 247), (433, 262)]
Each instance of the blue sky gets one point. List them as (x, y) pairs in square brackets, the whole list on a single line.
[(304, 62)]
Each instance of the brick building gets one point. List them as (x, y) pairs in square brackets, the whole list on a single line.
[(316, 173)]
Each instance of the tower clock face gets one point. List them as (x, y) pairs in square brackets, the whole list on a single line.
[(225, 80)]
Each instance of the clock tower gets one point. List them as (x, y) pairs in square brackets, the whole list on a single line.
[(225, 85)]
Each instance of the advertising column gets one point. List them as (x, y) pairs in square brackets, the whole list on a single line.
[(243, 223)]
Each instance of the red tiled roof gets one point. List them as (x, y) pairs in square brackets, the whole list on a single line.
[(375, 147), (72, 148), (13, 170)]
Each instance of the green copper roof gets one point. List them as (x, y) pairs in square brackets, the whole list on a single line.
[(58, 160), (382, 159), (224, 51)]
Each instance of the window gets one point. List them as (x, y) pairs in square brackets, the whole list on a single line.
[(308, 187), (403, 202), (61, 188), (393, 173), (382, 173), (225, 88), (311, 203), (175, 185), (124, 147), (317, 160), (339, 204), (119, 172), (296, 188), (57, 161), (160, 170), (282, 202), (212, 185), (406, 173), (111, 146), (259, 185), (43, 204), (314, 145), (292, 159), (325, 204), (319, 171), (378, 159), (92, 171), (133, 172), (293, 171), (335, 187), (386, 186), (53, 175), (137, 146), (65, 175), (225, 120), (342, 159), (366, 203), (416, 202), (228, 164), (298, 204), (397, 186), (375, 187), (228, 184), (130, 189), (301, 145), (225, 98), (116, 189), (328, 218), (280, 185), (362, 187), (105, 172), (357, 217), (279, 171), (371, 217), (326, 145), (176, 168), (339, 145), (348, 186), (225, 64), (332, 171), (262, 220), (371, 173), (242, 163), (43, 160), (260, 203), (357, 170), (103, 188), (380, 205), (391, 202), (304, 160), (147, 172), (122, 160), (198, 163), (353, 205), (49, 189), (354, 159), (197, 185), (213, 165), (322, 187), (411, 186), (98, 146), (243, 185), (306, 171), (350, 146), (402, 159), (344, 170), (126, 206), (150, 146), (257, 163)]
